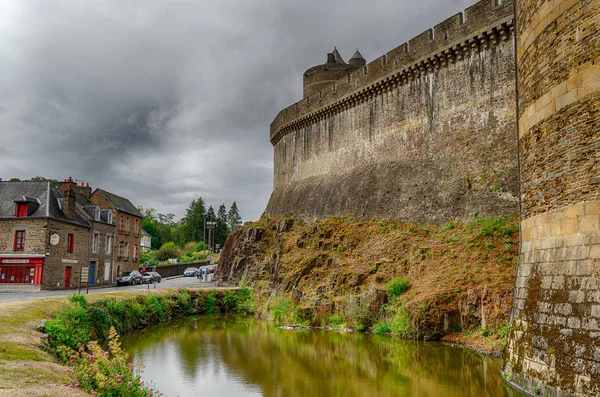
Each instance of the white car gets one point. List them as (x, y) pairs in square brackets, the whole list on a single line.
[(190, 272)]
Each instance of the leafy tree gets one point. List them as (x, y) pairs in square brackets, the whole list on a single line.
[(167, 251), (234, 219), (210, 214)]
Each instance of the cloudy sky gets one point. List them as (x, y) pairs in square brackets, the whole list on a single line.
[(164, 101)]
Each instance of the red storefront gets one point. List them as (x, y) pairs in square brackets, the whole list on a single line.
[(21, 269)]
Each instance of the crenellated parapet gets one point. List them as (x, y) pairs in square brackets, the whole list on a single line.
[(481, 26)]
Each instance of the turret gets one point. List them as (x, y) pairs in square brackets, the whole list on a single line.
[(322, 76), (357, 60)]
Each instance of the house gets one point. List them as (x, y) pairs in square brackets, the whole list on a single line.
[(102, 233), (146, 243), (128, 228), (44, 238)]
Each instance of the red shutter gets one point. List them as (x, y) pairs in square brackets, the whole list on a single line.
[(22, 210)]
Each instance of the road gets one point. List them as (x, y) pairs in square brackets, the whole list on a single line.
[(177, 282)]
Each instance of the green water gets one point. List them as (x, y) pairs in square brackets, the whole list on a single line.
[(239, 356)]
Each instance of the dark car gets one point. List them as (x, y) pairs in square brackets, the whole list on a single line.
[(190, 272), (129, 278), (151, 277)]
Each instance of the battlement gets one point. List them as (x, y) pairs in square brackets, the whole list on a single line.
[(480, 26)]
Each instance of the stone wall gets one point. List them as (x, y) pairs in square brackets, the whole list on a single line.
[(554, 345), (424, 133), (59, 259), (35, 235)]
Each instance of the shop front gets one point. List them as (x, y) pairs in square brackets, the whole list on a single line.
[(21, 269)]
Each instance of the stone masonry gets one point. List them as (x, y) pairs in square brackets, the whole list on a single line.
[(423, 134), (554, 345)]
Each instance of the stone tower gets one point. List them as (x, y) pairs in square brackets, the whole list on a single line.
[(322, 76), (554, 344)]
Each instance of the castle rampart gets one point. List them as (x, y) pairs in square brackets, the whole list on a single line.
[(554, 345), (424, 133)]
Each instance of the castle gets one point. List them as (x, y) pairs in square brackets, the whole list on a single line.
[(494, 111)]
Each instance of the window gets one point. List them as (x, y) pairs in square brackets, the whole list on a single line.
[(109, 244), (70, 243), (137, 226), (19, 240), (122, 224), (135, 252), (21, 210), (126, 250), (95, 242), (109, 217), (127, 224)]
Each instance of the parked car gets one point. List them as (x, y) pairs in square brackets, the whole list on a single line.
[(129, 278), (151, 277), (190, 272)]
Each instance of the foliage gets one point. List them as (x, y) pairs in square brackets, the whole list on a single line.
[(167, 251), (146, 256), (490, 225), (381, 328), (194, 220), (70, 326), (397, 286), (503, 330), (106, 373), (190, 246), (336, 319), (234, 220), (286, 312)]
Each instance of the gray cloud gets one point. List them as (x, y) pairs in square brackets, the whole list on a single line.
[(165, 101)]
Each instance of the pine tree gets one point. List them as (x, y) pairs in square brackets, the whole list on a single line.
[(210, 214), (193, 222), (234, 219), (222, 229)]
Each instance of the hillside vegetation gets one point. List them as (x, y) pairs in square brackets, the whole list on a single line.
[(424, 282)]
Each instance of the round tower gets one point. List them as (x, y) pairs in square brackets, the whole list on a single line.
[(357, 60), (322, 76), (554, 344)]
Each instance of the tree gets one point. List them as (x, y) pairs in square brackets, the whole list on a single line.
[(234, 220), (193, 222), (210, 215), (222, 229)]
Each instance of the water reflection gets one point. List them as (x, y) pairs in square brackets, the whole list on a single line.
[(239, 356)]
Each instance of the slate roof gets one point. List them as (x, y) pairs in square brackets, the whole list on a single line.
[(357, 55), (121, 203), (48, 197)]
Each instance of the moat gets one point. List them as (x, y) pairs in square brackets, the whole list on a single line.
[(240, 356)]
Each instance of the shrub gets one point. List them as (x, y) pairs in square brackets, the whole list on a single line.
[(167, 251), (71, 325), (397, 286), (381, 328), (336, 319), (201, 246), (106, 373), (147, 256), (190, 247), (399, 323)]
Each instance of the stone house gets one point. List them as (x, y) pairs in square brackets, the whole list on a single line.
[(102, 233), (128, 222), (44, 238)]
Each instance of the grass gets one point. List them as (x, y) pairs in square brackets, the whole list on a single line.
[(25, 369), (397, 286)]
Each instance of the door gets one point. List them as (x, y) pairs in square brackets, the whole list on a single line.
[(107, 271), (67, 276), (92, 278)]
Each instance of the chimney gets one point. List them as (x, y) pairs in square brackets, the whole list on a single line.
[(83, 189), (69, 202), (330, 58)]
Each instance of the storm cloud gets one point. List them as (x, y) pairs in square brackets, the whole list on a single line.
[(165, 101)]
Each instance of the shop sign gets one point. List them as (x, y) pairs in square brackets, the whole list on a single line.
[(15, 260), (72, 261), (54, 239)]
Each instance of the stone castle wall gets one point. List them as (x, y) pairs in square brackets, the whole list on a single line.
[(554, 345), (425, 133)]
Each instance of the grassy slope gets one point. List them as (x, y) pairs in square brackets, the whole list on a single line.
[(461, 276), (26, 370)]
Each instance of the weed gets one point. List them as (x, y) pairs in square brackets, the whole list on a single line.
[(503, 330), (381, 328), (450, 225), (336, 320), (397, 286)]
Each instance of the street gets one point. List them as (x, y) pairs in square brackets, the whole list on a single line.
[(177, 282)]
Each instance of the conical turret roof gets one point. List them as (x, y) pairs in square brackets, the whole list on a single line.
[(338, 58), (357, 55)]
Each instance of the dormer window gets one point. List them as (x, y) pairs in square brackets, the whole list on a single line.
[(21, 210)]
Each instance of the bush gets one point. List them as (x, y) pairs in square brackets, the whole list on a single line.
[(285, 312), (190, 247), (200, 246), (397, 286), (381, 328), (106, 373), (71, 325), (147, 256), (336, 320), (167, 251)]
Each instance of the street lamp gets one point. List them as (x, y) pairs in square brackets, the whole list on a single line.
[(211, 234)]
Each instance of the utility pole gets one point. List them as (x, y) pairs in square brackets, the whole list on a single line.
[(211, 234)]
